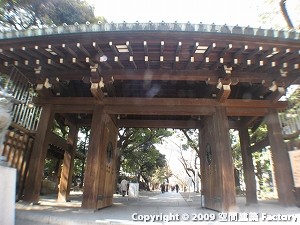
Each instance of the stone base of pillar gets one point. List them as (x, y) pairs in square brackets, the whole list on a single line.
[(7, 194)]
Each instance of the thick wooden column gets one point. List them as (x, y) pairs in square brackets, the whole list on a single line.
[(93, 164), (282, 168), (217, 173), (68, 164), (248, 166), (39, 152)]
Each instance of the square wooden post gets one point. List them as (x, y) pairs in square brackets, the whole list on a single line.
[(282, 167), (217, 173), (38, 156), (68, 164), (93, 165), (248, 167)]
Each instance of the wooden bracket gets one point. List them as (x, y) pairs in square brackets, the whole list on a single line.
[(96, 90), (95, 73), (224, 93)]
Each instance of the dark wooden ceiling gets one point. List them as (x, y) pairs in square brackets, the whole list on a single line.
[(184, 61)]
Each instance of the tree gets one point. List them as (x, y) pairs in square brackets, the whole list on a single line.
[(137, 152), (191, 165), (280, 13), (285, 14), (24, 14)]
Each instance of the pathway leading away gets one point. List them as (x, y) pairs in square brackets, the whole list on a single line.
[(150, 207)]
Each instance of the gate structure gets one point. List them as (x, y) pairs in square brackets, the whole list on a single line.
[(168, 75)]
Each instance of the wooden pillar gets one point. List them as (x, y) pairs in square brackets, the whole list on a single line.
[(217, 172), (248, 166), (282, 168), (68, 164), (93, 164), (39, 152)]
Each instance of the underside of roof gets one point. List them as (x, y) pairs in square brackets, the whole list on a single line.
[(157, 61)]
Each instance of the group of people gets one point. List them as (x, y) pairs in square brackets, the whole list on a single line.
[(164, 188)]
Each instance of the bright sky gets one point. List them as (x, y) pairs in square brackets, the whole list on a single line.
[(231, 12)]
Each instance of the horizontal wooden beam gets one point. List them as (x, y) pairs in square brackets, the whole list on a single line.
[(158, 110), (175, 124), (161, 106), (184, 75), (58, 141), (258, 146)]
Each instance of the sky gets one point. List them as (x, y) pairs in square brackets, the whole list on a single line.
[(231, 12)]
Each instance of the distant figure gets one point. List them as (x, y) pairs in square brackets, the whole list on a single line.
[(177, 188), (162, 187), (124, 187)]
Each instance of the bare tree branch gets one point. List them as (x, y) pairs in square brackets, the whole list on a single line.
[(285, 14)]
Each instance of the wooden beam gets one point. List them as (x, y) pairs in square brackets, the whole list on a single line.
[(113, 48), (277, 94), (224, 93), (118, 62), (132, 62), (145, 48), (246, 111), (95, 73), (38, 156), (178, 102), (83, 49), (96, 91), (158, 110), (129, 47), (175, 124), (186, 75), (206, 53), (282, 167), (258, 146), (92, 169), (163, 106), (178, 49), (248, 166), (68, 164), (69, 50), (54, 51)]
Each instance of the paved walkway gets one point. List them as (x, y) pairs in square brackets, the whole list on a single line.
[(150, 207)]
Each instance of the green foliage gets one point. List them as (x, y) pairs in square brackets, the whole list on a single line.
[(139, 155), (263, 171), (236, 150), (160, 175), (24, 14)]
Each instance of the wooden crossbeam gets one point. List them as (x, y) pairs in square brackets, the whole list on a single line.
[(70, 51), (54, 51), (166, 106), (178, 49), (240, 51), (129, 47), (187, 75), (145, 48), (224, 93), (277, 94), (175, 124), (118, 62), (132, 62), (83, 49)]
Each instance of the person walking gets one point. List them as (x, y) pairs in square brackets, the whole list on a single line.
[(177, 188), (162, 187), (124, 187)]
